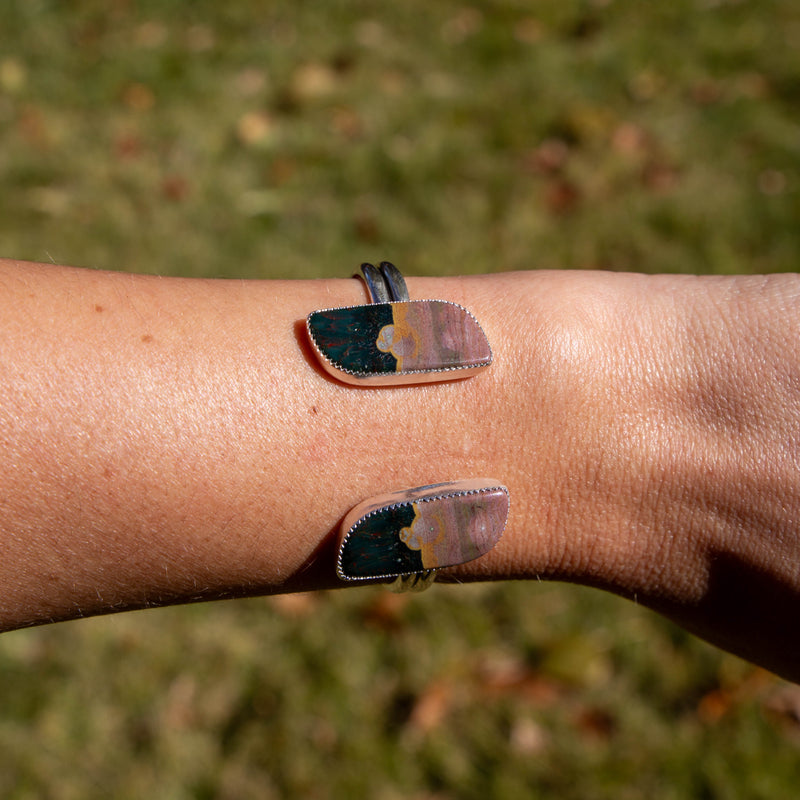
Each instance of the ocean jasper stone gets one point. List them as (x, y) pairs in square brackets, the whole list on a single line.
[(409, 342), (430, 527)]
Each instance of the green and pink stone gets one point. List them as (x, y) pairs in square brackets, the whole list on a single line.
[(416, 341), (420, 529)]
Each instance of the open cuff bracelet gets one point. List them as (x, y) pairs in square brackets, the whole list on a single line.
[(408, 535), (395, 340)]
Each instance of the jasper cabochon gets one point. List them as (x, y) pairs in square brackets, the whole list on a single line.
[(441, 527), (407, 342)]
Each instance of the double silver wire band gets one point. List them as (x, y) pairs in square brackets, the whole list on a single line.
[(384, 283)]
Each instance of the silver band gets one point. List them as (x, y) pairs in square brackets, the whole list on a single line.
[(385, 283)]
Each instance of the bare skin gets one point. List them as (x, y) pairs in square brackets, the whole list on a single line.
[(168, 440)]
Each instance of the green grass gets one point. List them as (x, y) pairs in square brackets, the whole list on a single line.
[(286, 139), (296, 139), (468, 692)]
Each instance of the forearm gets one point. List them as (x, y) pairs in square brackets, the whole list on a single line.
[(167, 440), (171, 439)]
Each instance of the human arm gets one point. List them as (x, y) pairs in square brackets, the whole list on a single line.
[(167, 440)]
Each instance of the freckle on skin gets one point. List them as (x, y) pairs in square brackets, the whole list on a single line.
[(147, 338), (313, 409), (99, 308)]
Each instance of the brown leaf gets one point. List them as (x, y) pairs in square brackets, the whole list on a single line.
[(128, 146), (150, 34), (528, 738), (281, 169), (33, 127), (385, 611), (312, 81), (596, 723), (503, 676), (200, 38), (706, 92), (431, 707), (549, 157), (630, 139), (366, 227), (175, 187), (138, 97), (465, 23), (561, 197), (346, 122), (255, 128), (772, 182), (529, 30), (295, 606), (250, 82), (660, 177), (714, 705), (179, 709), (719, 701)]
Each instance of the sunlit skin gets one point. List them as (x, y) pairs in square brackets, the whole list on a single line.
[(166, 440)]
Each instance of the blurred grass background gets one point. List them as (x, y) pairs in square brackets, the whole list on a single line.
[(252, 139)]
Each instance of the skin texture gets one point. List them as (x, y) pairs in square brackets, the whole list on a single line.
[(169, 440)]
